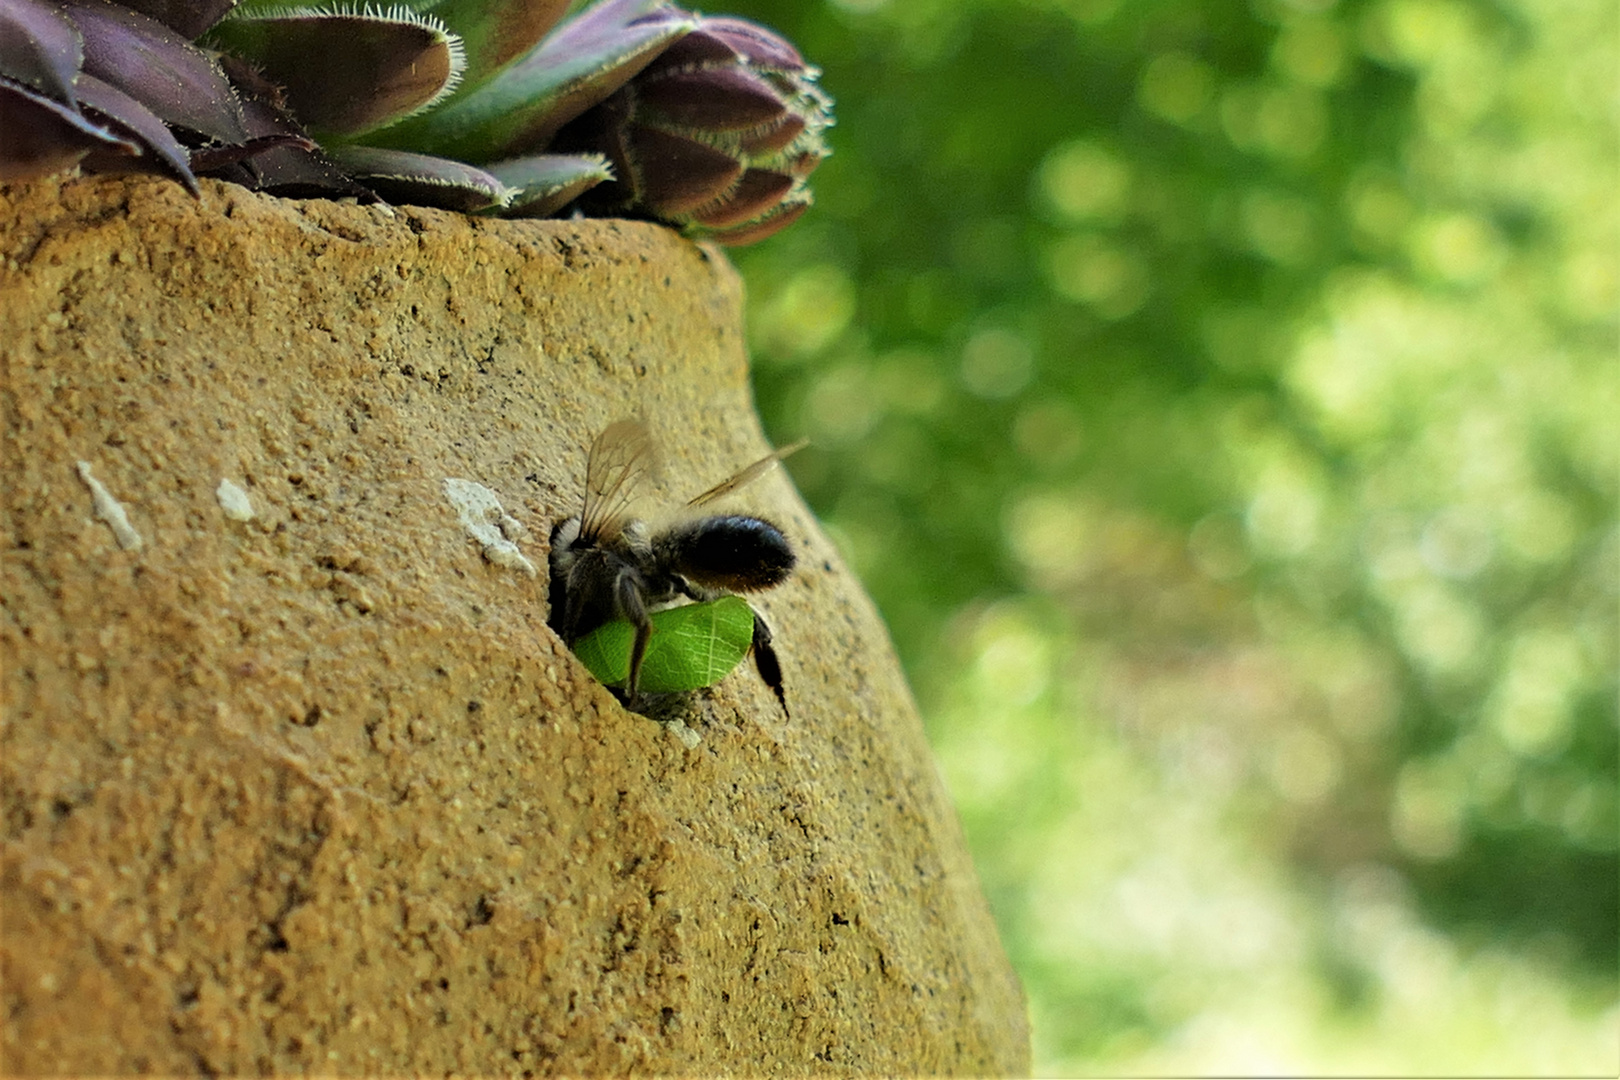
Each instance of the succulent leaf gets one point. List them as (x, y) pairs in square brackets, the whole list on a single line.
[(213, 159), (542, 184), (40, 49), (347, 72), (154, 66), (784, 214), (716, 135), (629, 107), (39, 136), (584, 61), (160, 151), (722, 40), (722, 99), (421, 179), (755, 195), (188, 18), (285, 162), (678, 175), (496, 32), (692, 646)]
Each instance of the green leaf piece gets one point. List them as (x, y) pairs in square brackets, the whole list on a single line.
[(692, 646)]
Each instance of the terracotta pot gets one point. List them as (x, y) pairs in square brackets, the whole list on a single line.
[(297, 779)]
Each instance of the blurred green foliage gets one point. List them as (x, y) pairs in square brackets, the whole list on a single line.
[(1219, 400)]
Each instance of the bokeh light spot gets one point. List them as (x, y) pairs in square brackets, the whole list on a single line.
[(1084, 181), (1428, 810), (1085, 268), (1305, 765), (1311, 51), (1440, 629), (1530, 708), (807, 313), (841, 407), (1048, 533), (1048, 433), (1379, 207), (997, 363), (1289, 122), (1457, 542), (1459, 248), (1013, 657), (1176, 87), (1280, 227), (1285, 514)]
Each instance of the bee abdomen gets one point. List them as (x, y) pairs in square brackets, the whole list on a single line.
[(732, 552)]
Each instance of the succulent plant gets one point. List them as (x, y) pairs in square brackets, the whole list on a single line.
[(718, 133), (710, 124)]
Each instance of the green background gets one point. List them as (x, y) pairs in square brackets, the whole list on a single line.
[(1219, 400)]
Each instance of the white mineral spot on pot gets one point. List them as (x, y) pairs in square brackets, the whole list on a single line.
[(688, 738), (486, 522), (234, 501), (110, 510)]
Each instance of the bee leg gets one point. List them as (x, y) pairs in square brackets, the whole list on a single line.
[(765, 661), (627, 594)]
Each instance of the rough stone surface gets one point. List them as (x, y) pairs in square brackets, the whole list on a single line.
[(317, 790)]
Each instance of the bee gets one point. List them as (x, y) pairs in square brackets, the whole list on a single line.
[(606, 565)]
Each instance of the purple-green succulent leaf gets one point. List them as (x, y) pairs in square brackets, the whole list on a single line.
[(39, 136), (543, 184), (297, 174), (725, 40), (287, 169), (215, 158), (346, 73), (715, 136), (40, 48), (715, 99), (518, 111), (150, 63), (160, 151), (676, 175), (421, 179), (496, 32), (778, 218), (752, 198), (188, 18)]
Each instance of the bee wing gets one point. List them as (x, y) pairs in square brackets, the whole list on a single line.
[(619, 458), (746, 475)]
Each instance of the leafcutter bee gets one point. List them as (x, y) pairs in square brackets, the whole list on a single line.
[(606, 565)]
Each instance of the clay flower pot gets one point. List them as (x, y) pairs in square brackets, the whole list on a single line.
[(297, 779)]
